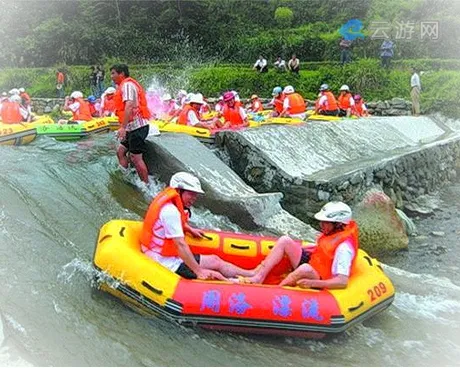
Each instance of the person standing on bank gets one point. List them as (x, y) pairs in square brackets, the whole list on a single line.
[(387, 52), (133, 114), (416, 89)]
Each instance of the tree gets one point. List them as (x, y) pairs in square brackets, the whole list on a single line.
[(284, 17)]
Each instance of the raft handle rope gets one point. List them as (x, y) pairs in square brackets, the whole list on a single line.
[(369, 260), (151, 288), (206, 237), (200, 132), (105, 237), (243, 247), (122, 232), (352, 309)]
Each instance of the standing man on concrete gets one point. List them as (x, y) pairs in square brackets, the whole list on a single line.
[(416, 88), (133, 114)]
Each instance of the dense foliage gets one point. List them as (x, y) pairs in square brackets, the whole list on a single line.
[(44, 33)]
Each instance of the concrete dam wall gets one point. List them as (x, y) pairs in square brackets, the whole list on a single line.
[(322, 161)]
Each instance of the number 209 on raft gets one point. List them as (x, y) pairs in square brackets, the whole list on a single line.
[(377, 291)]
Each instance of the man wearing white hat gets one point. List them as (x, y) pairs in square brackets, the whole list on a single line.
[(164, 228), (294, 105), (345, 101), (190, 114)]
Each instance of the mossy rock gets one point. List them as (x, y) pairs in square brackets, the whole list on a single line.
[(380, 228)]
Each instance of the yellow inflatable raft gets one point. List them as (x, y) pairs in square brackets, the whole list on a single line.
[(203, 134), (22, 133), (153, 289)]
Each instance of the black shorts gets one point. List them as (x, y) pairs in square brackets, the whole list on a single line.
[(185, 270), (305, 257), (342, 113), (135, 140), (329, 112)]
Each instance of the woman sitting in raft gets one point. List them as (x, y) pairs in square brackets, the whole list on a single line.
[(328, 265), (233, 113), (190, 114)]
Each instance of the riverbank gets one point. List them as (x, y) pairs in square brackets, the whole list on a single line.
[(441, 84)]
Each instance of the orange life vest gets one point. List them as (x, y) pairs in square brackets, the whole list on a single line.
[(278, 103), (344, 101), (84, 112), (323, 256), (25, 98), (109, 103), (359, 109), (11, 113), (331, 102), (147, 237), (183, 116), (60, 77), (232, 115), (141, 110), (296, 103), (256, 105)]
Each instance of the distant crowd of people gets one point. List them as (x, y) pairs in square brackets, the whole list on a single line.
[(293, 65)]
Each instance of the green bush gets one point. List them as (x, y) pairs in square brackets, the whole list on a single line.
[(284, 17)]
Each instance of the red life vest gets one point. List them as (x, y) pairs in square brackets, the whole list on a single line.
[(147, 237), (25, 98), (11, 113), (278, 103), (323, 256), (60, 78), (296, 103), (331, 104), (183, 116), (83, 113), (344, 101), (109, 104), (232, 115), (359, 109), (141, 110)]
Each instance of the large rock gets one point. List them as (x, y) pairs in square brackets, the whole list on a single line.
[(380, 228)]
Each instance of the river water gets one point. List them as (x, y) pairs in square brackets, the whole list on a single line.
[(55, 196)]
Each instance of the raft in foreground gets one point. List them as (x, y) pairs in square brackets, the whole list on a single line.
[(262, 309)]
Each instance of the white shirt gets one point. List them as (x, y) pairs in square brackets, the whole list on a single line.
[(74, 107), (129, 93), (415, 81), (192, 118), (219, 107), (170, 226), (342, 259), (280, 64), (261, 63)]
